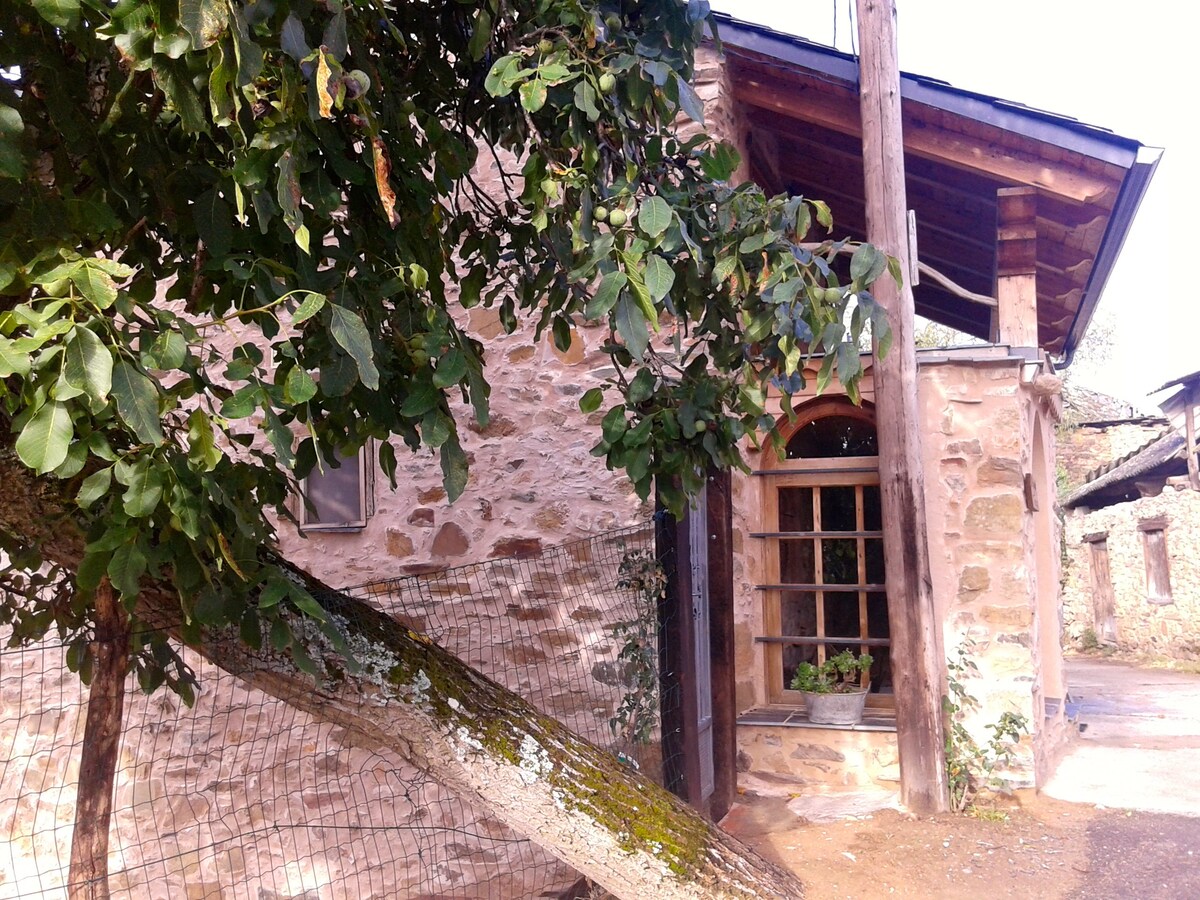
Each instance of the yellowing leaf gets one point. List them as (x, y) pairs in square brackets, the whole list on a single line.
[(383, 171), (324, 95)]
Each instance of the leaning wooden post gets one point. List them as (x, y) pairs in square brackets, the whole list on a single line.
[(88, 878), (917, 659)]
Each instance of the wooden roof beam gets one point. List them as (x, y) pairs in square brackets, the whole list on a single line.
[(841, 114)]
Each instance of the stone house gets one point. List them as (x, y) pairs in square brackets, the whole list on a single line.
[(1133, 576), (1019, 216)]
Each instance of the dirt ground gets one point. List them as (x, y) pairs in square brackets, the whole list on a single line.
[(1028, 846)]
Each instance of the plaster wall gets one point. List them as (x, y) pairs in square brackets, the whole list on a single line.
[(1171, 630)]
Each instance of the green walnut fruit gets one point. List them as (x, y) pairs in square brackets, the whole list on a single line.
[(617, 218), (545, 45), (613, 21), (832, 295), (407, 106), (599, 213), (608, 81)]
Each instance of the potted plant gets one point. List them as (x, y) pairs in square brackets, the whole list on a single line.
[(832, 690)]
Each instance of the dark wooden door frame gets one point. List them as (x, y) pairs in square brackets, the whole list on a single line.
[(677, 652)]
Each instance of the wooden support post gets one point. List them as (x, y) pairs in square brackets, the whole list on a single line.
[(88, 878), (1016, 266), (720, 611), (918, 663), (676, 653), (1190, 397)]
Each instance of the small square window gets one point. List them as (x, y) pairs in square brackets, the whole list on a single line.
[(337, 498)]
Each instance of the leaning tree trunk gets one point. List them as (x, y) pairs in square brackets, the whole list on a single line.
[(412, 697)]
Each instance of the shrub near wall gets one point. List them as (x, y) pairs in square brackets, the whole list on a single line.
[(1171, 629)]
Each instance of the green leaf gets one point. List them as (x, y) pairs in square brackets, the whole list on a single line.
[(691, 104), (214, 222), (654, 216), (756, 242), (12, 361), (867, 264), (613, 426), (126, 568), (94, 487), (641, 294), (631, 326), (169, 351), (137, 402), (606, 295), (204, 20), (145, 487), (96, 285), (309, 307), (181, 95), (591, 400), (659, 276), (299, 386), (422, 397), (43, 442), (533, 94), (824, 216), (242, 402), (12, 163), (281, 438), (721, 162), (88, 364), (59, 13), (349, 331), (451, 369), (454, 469), (496, 83)]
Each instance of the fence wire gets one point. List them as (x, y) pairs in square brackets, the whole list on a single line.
[(244, 796)]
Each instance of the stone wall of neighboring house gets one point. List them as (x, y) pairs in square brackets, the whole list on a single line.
[(1160, 629), (1083, 448)]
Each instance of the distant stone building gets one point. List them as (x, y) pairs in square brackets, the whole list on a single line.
[(1132, 536)]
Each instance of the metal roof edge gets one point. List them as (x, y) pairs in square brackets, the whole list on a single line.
[(1133, 190), (1041, 125)]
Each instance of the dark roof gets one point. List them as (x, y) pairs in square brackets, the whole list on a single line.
[(1176, 382), (1088, 407), (1077, 259), (1114, 483)]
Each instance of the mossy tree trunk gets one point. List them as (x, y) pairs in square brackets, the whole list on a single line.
[(410, 696)]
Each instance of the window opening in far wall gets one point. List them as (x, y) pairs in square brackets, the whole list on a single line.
[(1158, 564), (338, 499), (823, 551)]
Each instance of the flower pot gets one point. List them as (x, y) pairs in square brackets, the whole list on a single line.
[(834, 708)]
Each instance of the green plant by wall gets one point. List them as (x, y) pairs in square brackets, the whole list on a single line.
[(637, 660), (970, 767), (839, 674)]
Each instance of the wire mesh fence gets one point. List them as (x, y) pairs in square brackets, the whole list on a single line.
[(243, 795)]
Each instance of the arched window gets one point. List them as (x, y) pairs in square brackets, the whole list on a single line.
[(823, 539)]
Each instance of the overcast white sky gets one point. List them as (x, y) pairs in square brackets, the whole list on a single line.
[(1118, 65)]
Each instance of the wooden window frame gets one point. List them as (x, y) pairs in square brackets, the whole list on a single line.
[(848, 471), (365, 498), (1158, 561)]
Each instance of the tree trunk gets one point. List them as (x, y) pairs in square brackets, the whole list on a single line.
[(88, 879), (412, 697)]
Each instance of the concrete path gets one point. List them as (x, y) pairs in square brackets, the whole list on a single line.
[(1139, 747)]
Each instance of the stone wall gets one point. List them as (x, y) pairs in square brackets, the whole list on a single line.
[(994, 564), (1086, 447), (239, 796), (979, 426), (1169, 630)]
